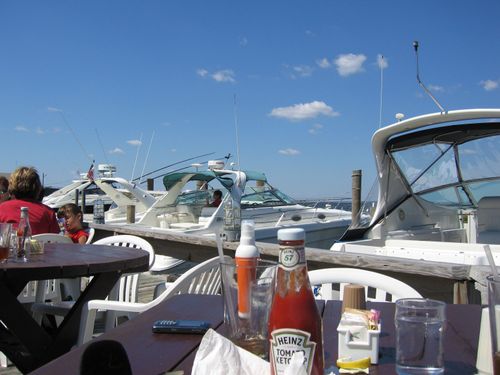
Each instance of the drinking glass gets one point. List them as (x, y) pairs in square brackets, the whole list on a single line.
[(494, 307), (248, 329), (420, 325), (5, 232)]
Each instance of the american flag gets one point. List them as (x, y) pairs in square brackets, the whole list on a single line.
[(90, 173)]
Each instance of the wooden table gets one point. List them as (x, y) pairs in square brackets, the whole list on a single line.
[(25, 342), (156, 353)]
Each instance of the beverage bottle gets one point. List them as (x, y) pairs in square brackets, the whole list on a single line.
[(23, 234), (294, 322), (246, 257)]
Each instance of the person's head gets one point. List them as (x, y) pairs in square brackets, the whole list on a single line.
[(217, 194), (72, 215), (4, 189), (24, 183)]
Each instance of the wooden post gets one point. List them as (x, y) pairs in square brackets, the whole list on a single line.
[(151, 184), (356, 197), (77, 198), (83, 201), (130, 214)]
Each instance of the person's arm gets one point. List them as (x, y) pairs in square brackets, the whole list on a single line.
[(82, 240)]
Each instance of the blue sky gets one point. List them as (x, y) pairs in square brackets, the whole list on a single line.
[(83, 80)]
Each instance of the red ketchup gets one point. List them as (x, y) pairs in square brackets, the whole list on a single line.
[(294, 322)]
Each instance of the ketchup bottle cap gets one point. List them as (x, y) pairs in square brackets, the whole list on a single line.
[(291, 234)]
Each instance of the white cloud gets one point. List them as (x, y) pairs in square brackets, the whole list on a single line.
[(302, 70), (349, 64), (116, 150), (310, 33), (289, 152), (323, 63), (20, 128), (304, 111), (226, 75), (382, 61), (39, 130), (173, 150), (315, 129), (134, 142), (243, 42), (436, 88), (52, 109), (202, 72), (489, 84)]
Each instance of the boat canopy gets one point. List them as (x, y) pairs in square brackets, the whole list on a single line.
[(222, 176)]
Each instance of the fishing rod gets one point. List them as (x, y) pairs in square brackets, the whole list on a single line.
[(227, 157), (171, 165)]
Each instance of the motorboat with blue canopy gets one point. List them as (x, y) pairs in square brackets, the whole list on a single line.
[(186, 207)]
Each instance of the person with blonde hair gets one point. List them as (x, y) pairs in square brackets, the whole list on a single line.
[(25, 189)]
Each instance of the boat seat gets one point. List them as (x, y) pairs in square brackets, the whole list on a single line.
[(488, 225)]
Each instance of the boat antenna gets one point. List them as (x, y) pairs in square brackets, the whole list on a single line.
[(102, 147), (171, 165), (415, 46), (61, 112), (182, 168), (136, 156), (381, 65), (147, 156), (237, 135)]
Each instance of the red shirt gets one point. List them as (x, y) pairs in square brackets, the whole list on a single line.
[(42, 218), (76, 235)]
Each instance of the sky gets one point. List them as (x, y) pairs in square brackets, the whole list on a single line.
[(294, 89)]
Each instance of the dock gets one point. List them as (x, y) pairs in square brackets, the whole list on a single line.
[(449, 282)]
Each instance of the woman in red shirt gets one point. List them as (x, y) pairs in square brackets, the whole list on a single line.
[(25, 190), (73, 223)]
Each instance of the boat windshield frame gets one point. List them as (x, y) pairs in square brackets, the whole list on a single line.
[(452, 166)]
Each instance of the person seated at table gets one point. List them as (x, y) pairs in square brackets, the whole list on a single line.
[(217, 199), (73, 223), (4, 189), (25, 189)]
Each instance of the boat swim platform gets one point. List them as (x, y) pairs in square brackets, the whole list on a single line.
[(448, 282)]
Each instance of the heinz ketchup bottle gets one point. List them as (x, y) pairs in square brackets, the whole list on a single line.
[(294, 322)]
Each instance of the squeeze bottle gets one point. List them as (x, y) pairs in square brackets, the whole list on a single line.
[(246, 257)]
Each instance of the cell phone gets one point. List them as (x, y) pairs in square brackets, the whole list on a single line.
[(180, 326)]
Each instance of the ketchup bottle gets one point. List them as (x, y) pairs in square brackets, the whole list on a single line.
[(246, 260), (294, 322)]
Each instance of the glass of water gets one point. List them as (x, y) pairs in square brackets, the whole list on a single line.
[(420, 325)]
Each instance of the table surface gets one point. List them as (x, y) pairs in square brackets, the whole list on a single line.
[(155, 354), (26, 343)]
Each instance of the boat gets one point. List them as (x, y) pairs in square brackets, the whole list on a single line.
[(83, 185), (438, 178), (184, 208)]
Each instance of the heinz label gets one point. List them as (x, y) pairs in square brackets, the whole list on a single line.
[(287, 341), (292, 257)]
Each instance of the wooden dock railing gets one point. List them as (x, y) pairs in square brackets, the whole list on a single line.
[(449, 282)]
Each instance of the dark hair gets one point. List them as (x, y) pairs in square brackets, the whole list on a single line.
[(24, 183), (68, 209), (4, 184), (218, 193)]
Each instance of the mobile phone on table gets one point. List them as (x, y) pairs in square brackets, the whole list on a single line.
[(180, 326)]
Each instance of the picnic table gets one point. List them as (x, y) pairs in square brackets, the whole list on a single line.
[(27, 344)]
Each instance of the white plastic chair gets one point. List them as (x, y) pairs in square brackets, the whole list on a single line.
[(385, 286), (204, 278), (124, 291)]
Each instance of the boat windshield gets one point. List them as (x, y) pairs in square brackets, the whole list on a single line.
[(452, 174), (194, 197), (264, 196)]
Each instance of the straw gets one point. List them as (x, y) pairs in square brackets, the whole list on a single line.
[(491, 261), (225, 288)]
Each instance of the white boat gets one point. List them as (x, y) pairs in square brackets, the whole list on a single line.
[(184, 208), (73, 192), (438, 190)]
